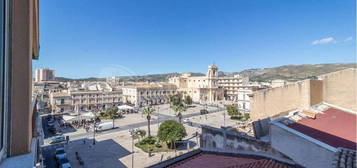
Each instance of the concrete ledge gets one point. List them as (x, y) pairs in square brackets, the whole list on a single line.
[(313, 140), (23, 161)]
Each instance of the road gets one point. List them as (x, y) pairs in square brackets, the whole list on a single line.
[(161, 118), (49, 149)]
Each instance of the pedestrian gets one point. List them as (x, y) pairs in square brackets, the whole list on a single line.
[(84, 141)]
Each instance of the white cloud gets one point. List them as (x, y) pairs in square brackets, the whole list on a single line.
[(347, 39), (324, 41)]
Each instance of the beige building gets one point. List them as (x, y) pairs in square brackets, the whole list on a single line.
[(148, 94), (84, 100), (200, 88), (44, 74), (88, 100), (60, 102)]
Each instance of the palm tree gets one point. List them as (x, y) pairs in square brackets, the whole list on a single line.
[(112, 112), (148, 111), (179, 109)]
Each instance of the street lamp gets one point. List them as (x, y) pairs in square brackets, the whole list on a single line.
[(158, 117), (133, 136), (224, 115), (94, 125)]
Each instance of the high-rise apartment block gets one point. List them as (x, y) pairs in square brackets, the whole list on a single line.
[(44, 74)]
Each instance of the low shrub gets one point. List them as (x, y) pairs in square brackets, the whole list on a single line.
[(149, 140), (236, 117), (246, 116), (158, 145)]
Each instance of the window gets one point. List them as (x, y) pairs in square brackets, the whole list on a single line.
[(2, 70), (4, 79)]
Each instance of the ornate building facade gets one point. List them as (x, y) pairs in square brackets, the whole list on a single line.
[(200, 88)]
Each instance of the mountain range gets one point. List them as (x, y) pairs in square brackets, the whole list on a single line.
[(287, 72)]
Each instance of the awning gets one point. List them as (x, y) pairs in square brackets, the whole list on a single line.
[(125, 107), (69, 118), (87, 115)]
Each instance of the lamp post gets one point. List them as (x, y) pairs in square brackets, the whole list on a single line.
[(94, 125), (206, 110), (158, 117), (133, 137)]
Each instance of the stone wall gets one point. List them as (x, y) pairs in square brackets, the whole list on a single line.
[(340, 88), (214, 139), (316, 92), (271, 102)]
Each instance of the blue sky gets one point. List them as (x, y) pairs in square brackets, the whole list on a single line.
[(96, 38)]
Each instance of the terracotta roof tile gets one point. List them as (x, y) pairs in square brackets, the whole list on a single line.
[(345, 158)]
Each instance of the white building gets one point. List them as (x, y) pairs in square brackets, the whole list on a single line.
[(114, 81), (243, 97), (231, 84), (44, 74)]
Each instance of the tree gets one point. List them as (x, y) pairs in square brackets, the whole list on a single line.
[(148, 111), (176, 99), (232, 111), (188, 100), (179, 109), (171, 131), (112, 113)]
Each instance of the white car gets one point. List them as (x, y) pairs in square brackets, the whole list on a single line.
[(186, 120)]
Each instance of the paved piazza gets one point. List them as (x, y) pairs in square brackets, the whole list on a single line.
[(114, 147)]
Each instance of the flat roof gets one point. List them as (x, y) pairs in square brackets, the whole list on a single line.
[(334, 127)]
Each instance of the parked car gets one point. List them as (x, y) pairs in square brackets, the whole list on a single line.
[(63, 163), (186, 120), (60, 153), (51, 123), (203, 111), (52, 129), (58, 132), (58, 139)]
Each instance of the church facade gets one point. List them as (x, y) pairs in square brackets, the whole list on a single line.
[(200, 88)]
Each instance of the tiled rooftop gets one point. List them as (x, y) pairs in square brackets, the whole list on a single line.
[(334, 127), (345, 158), (261, 164), (213, 160)]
